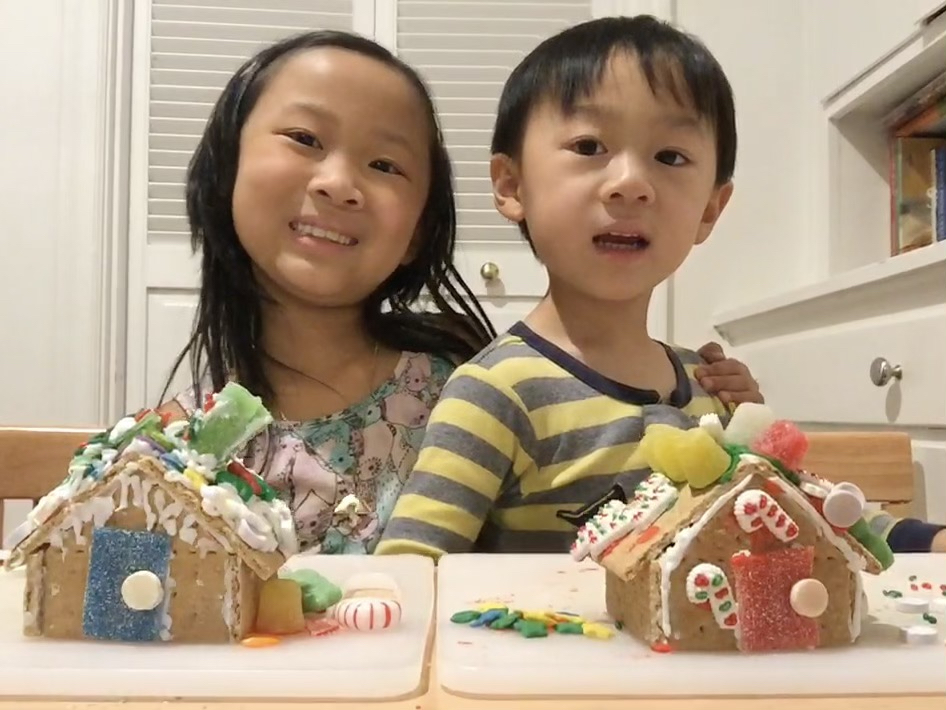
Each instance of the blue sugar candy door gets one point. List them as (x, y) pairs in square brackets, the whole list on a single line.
[(116, 554)]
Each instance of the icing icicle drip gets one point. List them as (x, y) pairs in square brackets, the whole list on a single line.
[(754, 509), (615, 519), (707, 585)]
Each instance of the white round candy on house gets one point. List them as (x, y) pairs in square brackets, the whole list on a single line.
[(913, 605), (142, 590), (809, 598), (843, 507), (938, 606), (919, 635), (846, 486)]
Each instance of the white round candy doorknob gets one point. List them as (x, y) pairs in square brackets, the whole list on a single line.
[(809, 597), (142, 591)]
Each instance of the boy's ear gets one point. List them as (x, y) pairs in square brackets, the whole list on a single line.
[(505, 176), (714, 208)]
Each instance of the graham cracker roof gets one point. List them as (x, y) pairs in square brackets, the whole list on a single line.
[(629, 554), (265, 564)]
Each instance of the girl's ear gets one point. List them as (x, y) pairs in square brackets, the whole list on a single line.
[(506, 184)]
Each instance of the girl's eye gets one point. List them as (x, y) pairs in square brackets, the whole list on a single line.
[(304, 138), (672, 157), (588, 146), (386, 166)]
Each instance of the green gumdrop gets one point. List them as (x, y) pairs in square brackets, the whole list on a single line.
[(465, 617), (875, 544), (236, 417), (568, 627), (318, 593)]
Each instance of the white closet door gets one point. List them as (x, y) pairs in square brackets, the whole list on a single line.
[(185, 52), (465, 50)]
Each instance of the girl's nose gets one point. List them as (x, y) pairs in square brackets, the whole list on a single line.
[(336, 183)]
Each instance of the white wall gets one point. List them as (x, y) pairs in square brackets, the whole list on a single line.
[(757, 247), (51, 285)]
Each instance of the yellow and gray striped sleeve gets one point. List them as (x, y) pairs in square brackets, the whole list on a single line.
[(472, 443)]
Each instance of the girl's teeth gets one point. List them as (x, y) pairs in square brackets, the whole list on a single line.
[(310, 231)]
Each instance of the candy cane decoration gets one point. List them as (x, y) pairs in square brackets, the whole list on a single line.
[(707, 586), (755, 509), (616, 519)]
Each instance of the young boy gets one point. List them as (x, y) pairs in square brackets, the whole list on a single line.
[(614, 149)]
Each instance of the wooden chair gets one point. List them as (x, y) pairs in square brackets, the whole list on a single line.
[(879, 463), (33, 461)]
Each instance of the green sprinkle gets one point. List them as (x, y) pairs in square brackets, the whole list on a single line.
[(568, 627), (717, 580), (892, 593), (912, 577), (531, 629), (702, 596), (930, 618), (620, 624), (506, 621), (725, 606), (464, 617)]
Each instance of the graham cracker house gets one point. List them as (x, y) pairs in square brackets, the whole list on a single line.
[(754, 556), (157, 534)]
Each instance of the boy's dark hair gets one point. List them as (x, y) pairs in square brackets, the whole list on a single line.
[(228, 324), (568, 67)]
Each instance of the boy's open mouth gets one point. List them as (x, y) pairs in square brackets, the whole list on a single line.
[(621, 242)]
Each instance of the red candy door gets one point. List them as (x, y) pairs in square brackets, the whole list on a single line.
[(763, 582)]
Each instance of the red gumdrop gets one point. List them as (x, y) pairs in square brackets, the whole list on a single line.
[(784, 442)]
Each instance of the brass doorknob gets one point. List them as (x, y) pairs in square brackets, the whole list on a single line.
[(881, 371), (489, 271)]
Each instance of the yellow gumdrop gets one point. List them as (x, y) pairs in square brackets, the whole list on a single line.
[(702, 458), (195, 478), (597, 631), (659, 447), (543, 616), (490, 606)]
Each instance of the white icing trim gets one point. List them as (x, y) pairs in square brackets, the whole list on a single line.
[(855, 562), (673, 555)]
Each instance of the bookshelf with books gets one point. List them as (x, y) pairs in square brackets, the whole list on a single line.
[(916, 132)]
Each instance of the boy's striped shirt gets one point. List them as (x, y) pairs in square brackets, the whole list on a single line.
[(523, 431)]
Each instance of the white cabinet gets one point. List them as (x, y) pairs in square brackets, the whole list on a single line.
[(847, 37)]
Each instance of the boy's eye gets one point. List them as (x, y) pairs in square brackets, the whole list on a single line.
[(672, 157), (304, 138), (588, 146), (386, 166)]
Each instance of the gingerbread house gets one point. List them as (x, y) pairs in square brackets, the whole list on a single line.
[(158, 533), (728, 545)]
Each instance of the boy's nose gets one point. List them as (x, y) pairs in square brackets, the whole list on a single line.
[(336, 183), (628, 182)]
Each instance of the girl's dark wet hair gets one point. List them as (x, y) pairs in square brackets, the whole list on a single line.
[(568, 67), (226, 338)]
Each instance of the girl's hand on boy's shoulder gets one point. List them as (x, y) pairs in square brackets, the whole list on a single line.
[(727, 378)]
